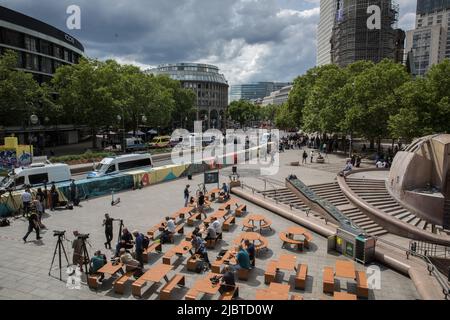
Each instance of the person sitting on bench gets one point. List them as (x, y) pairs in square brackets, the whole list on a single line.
[(210, 233), (98, 261), (224, 191), (216, 225), (169, 231), (128, 238), (250, 247), (130, 263), (227, 280), (199, 246), (243, 259), (121, 244)]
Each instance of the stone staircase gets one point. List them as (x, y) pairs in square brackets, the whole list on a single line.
[(374, 192), (333, 194)]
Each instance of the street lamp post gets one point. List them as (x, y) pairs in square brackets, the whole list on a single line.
[(122, 142), (33, 121)]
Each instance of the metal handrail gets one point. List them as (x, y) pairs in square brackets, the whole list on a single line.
[(430, 266)]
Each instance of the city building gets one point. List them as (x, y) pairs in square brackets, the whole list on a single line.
[(41, 48), (352, 40), (254, 91), (325, 30), (429, 42), (278, 97), (210, 86)]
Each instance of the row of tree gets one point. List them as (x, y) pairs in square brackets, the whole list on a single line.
[(93, 93), (369, 100)]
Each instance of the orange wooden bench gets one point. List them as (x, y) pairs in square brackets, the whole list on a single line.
[(271, 272), (92, 280), (240, 210), (137, 286), (154, 247), (288, 241), (362, 287), (191, 294), (228, 222), (230, 295), (166, 291), (328, 280), (195, 216), (119, 283), (300, 277), (243, 274)]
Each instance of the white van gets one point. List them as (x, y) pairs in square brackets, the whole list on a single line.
[(37, 174), (134, 144), (114, 165)]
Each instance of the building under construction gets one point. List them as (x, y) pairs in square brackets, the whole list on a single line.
[(352, 40)]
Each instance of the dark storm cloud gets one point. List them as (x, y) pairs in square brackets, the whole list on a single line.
[(249, 40)]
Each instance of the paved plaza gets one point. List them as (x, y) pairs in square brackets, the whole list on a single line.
[(24, 267)]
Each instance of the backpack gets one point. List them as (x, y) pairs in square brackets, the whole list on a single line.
[(4, 222), (145, 242)]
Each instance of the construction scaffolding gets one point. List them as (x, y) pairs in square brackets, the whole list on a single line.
[(352, 40)]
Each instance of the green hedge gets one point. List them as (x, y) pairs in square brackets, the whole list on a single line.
[(84, 156)]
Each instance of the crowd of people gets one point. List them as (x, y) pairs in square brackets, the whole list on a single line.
[(33, 205)]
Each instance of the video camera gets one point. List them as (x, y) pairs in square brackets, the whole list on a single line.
[(57, 233), (83, 236)]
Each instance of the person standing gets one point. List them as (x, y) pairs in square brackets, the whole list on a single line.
[(139, 247), (26, 201), (108, 224), (312, 156), (186, 195), (54, 197), (201, 203), (40, 196), (77, 246), (33, 224), (305, 157), (73, 192)]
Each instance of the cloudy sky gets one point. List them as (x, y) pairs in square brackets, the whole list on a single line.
[(250, 40)]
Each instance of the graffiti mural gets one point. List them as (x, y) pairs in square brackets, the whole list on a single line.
[(9, 159)]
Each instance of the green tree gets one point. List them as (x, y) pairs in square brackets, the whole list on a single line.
[(87, 92), (243, 112), (20, 94)]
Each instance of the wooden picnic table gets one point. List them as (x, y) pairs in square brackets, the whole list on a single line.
[(219, 214), (299, 231), (255, 219), (345, 269), (183, 248), (228, 258), (276, 291), (250, 236), (279, 288), (344, 296), (185, 210), (204, 285), (263, 294), (110, 269), (157, 273), (287, 262)]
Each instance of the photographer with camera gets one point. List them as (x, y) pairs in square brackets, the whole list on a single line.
[(77, 246), (33, 224)]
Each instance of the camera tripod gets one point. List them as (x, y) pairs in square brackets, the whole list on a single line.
[(85, 255), (58, 247), (120, 230)]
